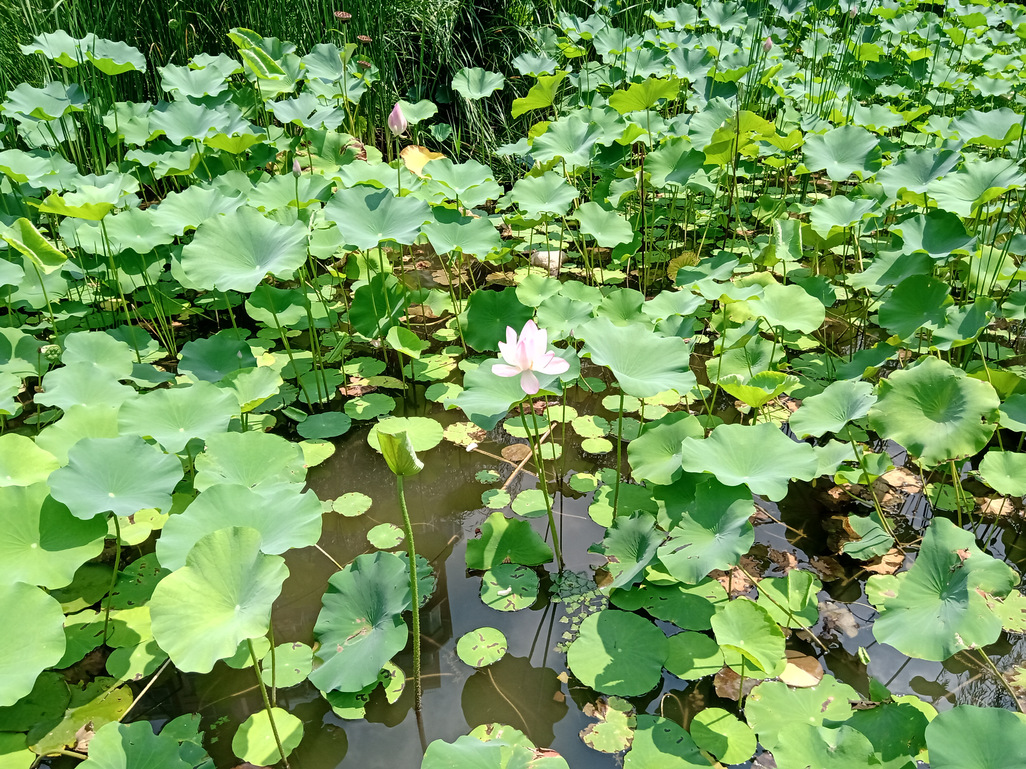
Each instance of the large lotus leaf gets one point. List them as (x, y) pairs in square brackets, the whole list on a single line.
[(219, 599), (184, 120), (489, 314), (655, 455), (938, 233), (608, 228), (470, 182), (842, 152), (505, 540), (673, 163), (789, 307), (78, 422), (935, 411), (41, 543), (773, 707), (840, 213), (660, 743), (830, 411), (133, 746), (22, 462), (466, 235), (570, 140), (378, 305), (759, 389), (644, 363), (360, 626), (491, 746), (939, 607), (475, 83), (629, 545), (488, 397), (235, 251), (215, 357), (121, 475), (27, 609), (918, 301), (760, 456), (188, 209), (52, 101), (617, 652), (284, 517), (751, 641), (366, 216), (644, 95), (540, 196), (192, 83), (840, 747), (100, 350), (174, 416), (1005, 472), (687, 606), (713, 532), (82, 384), (424, 433), (915, 169), (249, 459), (994, 128), (977, 183), (970, 737)]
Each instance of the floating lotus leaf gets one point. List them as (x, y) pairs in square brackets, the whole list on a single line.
[(424, 433), (218, 600), (713, 532), (831, 410), (1005, 472), (255, 741), (760, 456), (474, 83), (751, 641), (687, 606), (505, 539), (939, 606), (285, 518), (119, 475), (482, 647), (723, 735), (660, 742), (41, 543), (292, 664), (643, 363), (490, 747), (360, 626), (617, 652), (248, 459), (794, 598), (21, 659), (133, 746), (509, 587), (330, 424), (234, 252), (935, 411), (843, 747), (693, 655), (970, 737)]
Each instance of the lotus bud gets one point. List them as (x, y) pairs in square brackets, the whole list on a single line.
[(767, 44), (397, 123), (297, 169)]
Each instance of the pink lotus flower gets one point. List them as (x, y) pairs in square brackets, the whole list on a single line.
[(397, 123), (528, 354)]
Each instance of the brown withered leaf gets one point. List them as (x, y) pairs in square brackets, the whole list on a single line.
[(357, 386), (727, 684), (998, 506), (784, 560), (735, 582), (827, 567), (902, 479), (837, 616), (516, 452), (888, 563), (801, 670)]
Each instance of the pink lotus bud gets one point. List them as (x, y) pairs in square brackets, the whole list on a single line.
[(397, 123), (767, 44), (297, 169)]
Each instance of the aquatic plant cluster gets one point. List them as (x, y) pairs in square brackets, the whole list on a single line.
[(786, 236)]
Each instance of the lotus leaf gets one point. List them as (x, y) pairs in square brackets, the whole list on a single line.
[(490, 747), (693, 655), (970, 737), (660, 742), (489, 314), (643, 363), (133, 746), (618, 653), (830, 411), (842, 152), (22, 462), (505, 539), (174, 416), (629, 545), (255, 741), (365, 217), (751, 641), (482, 647), (219, 599), (27, 606), (474, 83), (248, 459), (1005, 472), (723, 735), (939, 606), (792, 600), (539, 197), (509, 587), (686, 606), (935, 411)]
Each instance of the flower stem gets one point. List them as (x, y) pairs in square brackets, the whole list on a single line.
[(267, 703), (543, 481), (412, 550)]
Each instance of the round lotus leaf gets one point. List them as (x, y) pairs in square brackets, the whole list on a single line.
[(791, 601), (590, 426), (540, 196), (488, 476), (351, 504), (582, 483), (254, 742), (440, 392), (724, 735), (360, 625), (219, 599), (424, 433), (316, 450), (385, 536), (935, 411), (506, 540), (693, 655), (1005, 472), (329, 424), (214, 358), (629, 544), (27, 606), (644, 363), (773, 708), (41, 542), (655, 455), (970, 737), (117, 746), (22, 462), (119, 475), (82, 385), (530, 503), (248, 459), (596, 446), (284, 516), (98, 702), (489, 314), (617, 652), (940, 606), (370, 406), (475, 83), (495, 499), (751, 641), (509, 587), (46, 703), (292, 664), (174, 416), (480, 648), (134, 663), (235, 251), (831, 410), (842, 152), (491, 746), (660, 742)]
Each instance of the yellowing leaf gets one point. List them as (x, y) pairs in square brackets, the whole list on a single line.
[(415, 157)]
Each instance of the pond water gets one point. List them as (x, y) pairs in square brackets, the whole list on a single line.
[(525, 689)]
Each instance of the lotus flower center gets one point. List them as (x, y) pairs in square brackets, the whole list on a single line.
[(110, 494)]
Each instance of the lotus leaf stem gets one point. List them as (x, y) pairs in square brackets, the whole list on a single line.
[(267, 703), (412, 550)]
